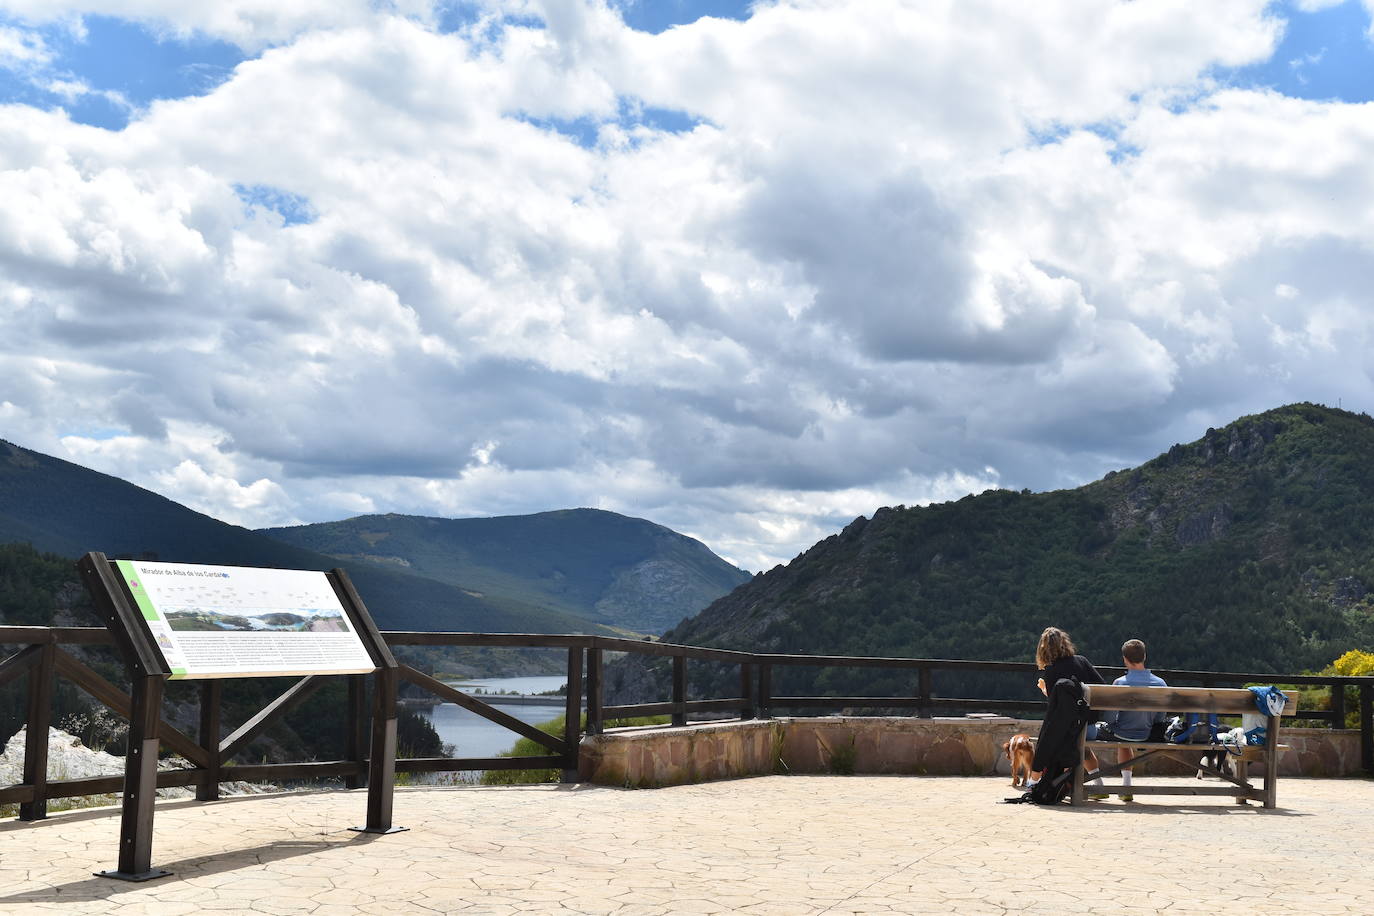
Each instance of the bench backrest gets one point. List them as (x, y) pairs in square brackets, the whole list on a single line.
[(1224, 700)]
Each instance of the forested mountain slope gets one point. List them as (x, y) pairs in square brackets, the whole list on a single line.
[(620, 571), (66, 509), (1249, 549)]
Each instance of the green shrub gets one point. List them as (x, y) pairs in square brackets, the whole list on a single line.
[(525, 747)]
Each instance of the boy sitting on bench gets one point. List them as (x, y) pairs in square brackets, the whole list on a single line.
[(1127, 725)]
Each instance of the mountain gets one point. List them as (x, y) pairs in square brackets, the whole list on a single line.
[(1251, 549), (62, 508), (620, 571)]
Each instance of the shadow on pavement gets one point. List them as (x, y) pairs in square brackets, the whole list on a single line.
[(97, 888)]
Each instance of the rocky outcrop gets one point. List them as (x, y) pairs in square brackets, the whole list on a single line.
[(1204, 526), (68, 758), (654, 594)]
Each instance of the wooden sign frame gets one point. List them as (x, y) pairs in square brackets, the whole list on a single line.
[(148, 674)]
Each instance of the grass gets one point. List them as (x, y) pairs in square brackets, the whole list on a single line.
[(524, 747)]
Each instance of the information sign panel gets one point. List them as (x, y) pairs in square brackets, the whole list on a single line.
[(235, 621)]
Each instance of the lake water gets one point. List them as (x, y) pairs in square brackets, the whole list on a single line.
[(473, 736), (539, 684)]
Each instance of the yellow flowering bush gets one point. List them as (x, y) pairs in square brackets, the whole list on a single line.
[(1354, 664)]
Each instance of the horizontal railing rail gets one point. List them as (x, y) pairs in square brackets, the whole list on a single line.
[(42, 656)]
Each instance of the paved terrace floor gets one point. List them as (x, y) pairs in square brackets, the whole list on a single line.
[(773, 845)]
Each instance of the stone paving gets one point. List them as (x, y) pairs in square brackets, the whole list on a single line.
[(770, 845)]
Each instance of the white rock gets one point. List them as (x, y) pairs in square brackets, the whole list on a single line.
[(68, 758)]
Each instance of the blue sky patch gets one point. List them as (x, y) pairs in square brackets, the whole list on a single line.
[(294, 209), (1047, 135), (585, 131), (124, 65), (1326, 54), (645, 15), (462, 15), (582, 131), (128, 58), (660, 15), (98, 433)]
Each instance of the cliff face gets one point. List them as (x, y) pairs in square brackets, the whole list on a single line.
[(1251, 548)]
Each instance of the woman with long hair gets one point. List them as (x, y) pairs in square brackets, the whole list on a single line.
[(1057, 658)]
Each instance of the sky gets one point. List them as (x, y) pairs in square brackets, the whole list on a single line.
[(746, 269)]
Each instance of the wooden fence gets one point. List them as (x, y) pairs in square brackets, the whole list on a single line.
[(43, 657)]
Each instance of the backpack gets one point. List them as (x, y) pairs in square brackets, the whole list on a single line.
[(1269, 700), (1193, 730), (1053, 787)]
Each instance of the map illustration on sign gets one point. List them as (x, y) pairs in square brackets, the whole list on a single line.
[(218, 621)]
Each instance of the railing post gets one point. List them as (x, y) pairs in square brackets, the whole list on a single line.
[(1367, 727), (747, 709), (572, 716), (765, 700), (36, 734), (595, 691), (679, 690), (210, 695), (1338, 704), (924, 690), (355, 731)]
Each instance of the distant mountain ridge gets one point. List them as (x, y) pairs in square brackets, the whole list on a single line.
[(609, 568), (63, 508), (1251, 549)]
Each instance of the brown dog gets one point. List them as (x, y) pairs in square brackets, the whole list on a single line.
[(1021, 752)]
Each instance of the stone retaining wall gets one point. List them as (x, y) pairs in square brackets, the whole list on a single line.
[(657, 756)]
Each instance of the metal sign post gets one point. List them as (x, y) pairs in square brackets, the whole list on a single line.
[(381, 762), (147, 672)]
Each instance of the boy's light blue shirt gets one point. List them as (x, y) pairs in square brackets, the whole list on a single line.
[(1131, 725)]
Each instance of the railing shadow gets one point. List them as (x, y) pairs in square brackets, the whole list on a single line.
[(97, 888)]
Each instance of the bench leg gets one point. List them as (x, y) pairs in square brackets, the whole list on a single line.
[(1078, 796), (1271, 762)]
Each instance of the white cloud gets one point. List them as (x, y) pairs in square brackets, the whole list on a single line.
[(903, 243), (22, 50), (252, 24), (255, 504)]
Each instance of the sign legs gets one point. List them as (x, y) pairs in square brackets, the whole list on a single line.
[(140, 784), (381, 764)]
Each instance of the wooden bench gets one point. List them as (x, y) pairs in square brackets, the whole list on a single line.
[(1202, 700)]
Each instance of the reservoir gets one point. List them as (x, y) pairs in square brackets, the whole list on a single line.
[(473, 736)]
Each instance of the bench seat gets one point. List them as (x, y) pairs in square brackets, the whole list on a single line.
[(1249, 752)]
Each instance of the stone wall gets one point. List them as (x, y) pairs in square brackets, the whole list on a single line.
[(652, 757), (657, 756), (647, 758)]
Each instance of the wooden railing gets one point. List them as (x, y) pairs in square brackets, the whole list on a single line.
[(43, 657)]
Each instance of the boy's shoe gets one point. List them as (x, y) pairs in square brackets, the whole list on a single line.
[(1128, 798), (1099, 796)]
